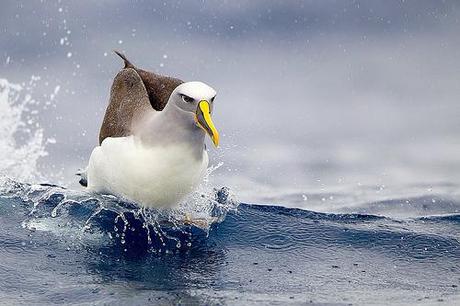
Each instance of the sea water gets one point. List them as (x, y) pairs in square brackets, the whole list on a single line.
[(61, 245)]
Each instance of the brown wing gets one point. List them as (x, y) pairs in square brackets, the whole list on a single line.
[(134, 92)]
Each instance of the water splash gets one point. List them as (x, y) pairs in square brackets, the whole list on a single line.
[(84, 215), (21, 137), (88, 217)]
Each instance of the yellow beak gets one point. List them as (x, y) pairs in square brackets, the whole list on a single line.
[(203, 120)]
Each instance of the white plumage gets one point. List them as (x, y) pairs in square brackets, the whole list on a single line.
[(155, 176)]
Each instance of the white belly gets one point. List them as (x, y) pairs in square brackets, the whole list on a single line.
[(151, 176)]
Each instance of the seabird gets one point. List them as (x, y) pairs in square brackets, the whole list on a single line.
[(151, 142)]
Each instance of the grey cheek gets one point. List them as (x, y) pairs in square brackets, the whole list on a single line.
[(190, 107)]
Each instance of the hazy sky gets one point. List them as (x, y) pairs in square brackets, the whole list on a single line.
[(308, 91)]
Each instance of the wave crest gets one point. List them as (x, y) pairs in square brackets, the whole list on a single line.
[(87, 216)]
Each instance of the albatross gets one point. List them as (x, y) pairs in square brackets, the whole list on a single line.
[(152, 139)]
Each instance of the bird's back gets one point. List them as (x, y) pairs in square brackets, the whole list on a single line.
[(134, 93)]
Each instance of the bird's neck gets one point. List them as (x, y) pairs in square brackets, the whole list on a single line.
[(172, 126)]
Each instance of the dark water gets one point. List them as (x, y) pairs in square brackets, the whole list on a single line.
[(96, 251)]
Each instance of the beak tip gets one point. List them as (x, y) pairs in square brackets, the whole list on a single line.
[(215, 141)]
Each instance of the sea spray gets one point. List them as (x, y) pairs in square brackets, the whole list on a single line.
[(86, 216), (22, 139)]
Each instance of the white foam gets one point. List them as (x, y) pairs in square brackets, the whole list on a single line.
[(19, 155)]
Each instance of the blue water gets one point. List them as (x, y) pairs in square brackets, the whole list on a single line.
[(63, 246)]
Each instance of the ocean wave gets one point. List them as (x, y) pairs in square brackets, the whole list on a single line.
[(267, 249), (415, 206), (454, 218), (60, 210)]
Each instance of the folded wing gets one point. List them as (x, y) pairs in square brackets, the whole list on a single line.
[(134, 93)]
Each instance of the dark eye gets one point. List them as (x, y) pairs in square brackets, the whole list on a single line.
[(212, 99), (187, 99)]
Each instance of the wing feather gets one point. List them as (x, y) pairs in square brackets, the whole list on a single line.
[(134, 93)]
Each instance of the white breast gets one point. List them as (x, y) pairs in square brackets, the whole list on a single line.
[(152, 176)]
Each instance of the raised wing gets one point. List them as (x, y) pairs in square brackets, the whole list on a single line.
[(134, 92)]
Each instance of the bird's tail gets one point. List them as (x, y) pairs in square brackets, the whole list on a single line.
[(123, 57), (83, 177)]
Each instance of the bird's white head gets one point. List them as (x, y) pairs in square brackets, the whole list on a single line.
[(197, 98)]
